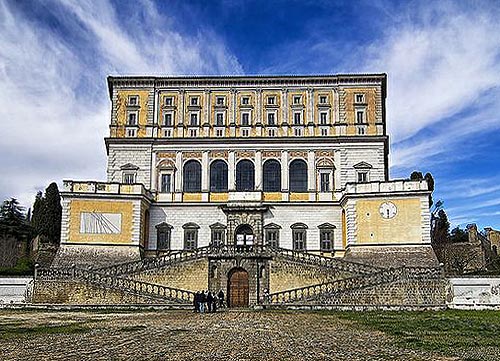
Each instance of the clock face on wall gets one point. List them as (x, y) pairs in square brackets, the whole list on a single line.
[(388, 210)]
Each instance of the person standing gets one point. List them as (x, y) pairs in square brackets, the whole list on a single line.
[(210, 300), (214, 303), (196, 301), (203, 299), (220, 295)]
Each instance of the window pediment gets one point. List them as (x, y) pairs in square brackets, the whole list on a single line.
[(272, 226), (363, 165), (190, 225), (217, 225), (299, 225), (327, 226), (163, 226), (129, 166)]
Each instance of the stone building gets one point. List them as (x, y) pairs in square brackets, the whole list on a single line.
[(292, 162)]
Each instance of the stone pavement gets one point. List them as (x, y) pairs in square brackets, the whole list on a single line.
[(183, 335)]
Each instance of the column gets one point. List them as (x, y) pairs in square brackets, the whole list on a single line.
[(284, 106), (180, 120), (233, 93), (337, 171), (156, 113), (311, 171), (284, 171), (258, 170), (154, 173), (310, 107), (178, 173), (231, 170), (258, 107), (204, 172)]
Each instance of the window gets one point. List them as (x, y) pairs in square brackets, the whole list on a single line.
[(193, 133), (271, 132), (192, 177), (297, 132), (324, 185), (272, 176), (297, 118), (167, 119), (194, 101), (169, 101), (323, 118), (131, 132), (299, 236), (245, 133), (245, 119), (163, 236), (326, 239), (296, 99), (133, 100), (194, 119), (129, 178), (271, 119), (218, 176), (272, 237), (190, 236), (219, 100), (271, 100), (245, 100), (132, 118), (298, 176), (219, 132), (361, 131), (218, 234), (322, 99), (167, 133), (219, 119), (362, 177), (245, 176), (166, 183), (324, 131), (360, 98), (360, 116)]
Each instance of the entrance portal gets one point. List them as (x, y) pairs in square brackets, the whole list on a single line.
[(244, 235), (237, 288)]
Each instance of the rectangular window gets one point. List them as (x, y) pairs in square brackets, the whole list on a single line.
[(219, 119), (163, 239), (272, 237), (296, 99), (324, 182), (167, 120), (360, 116), (360, 98), (193, 133), (166, 183), (194, 101), (169, 101), (219, 132), (133, 100), (297, 132), (297, 118), (271, 132), (271, 119), (245, 100), (326, 239), (219, 100), (323, 118), (245, 133), (190, 238), (299, 239), (324, 131), (128, 178), (322, 99), (271, 100), (132, 118), (362, 177), (194, 119), (131, 133), (361, 130), (167, 133), (245, 119), (217, 237)]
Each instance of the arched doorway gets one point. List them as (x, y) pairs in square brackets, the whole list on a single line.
[(237, 288), (243, 235)]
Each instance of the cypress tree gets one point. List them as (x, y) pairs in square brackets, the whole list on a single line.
[(53, 211)]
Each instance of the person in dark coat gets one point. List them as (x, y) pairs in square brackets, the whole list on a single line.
[(220, 296), (214, 303), (210, 300), (203, 300), (196, 301)]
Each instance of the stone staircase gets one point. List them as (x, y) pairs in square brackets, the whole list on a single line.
[(159, 293), (334, 289)]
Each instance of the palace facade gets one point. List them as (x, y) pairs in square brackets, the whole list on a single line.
[(295, 162)]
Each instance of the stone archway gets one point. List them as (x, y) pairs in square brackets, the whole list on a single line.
[(237, 288)]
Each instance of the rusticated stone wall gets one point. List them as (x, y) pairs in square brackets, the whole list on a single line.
[(190, 275), (78, 293), (285, 275)]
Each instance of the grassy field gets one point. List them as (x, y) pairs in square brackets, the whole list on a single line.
[(469, 335)]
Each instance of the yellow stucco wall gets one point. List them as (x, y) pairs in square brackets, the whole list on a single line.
[(80, 206), (121, 111), (370, 99), (405, 227), (192, 197), (219, 197), (273, 196)]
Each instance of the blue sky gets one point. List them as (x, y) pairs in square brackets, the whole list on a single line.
[(442, 59)]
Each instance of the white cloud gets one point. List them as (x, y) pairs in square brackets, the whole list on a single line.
[(52, 127)]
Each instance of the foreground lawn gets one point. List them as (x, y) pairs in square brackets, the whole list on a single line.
[(469, 335)]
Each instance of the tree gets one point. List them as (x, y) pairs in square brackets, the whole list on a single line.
[(459, 235), (430, 183), (12, 219), (47, 214), (37, 218), (441, 229), (416, 176)]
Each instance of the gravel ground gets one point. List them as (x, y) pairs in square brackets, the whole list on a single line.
[(183, 335)]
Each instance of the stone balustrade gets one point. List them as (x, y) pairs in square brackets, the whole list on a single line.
[(94, 187), (386, 187)]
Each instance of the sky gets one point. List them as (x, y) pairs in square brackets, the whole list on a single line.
[(442, 59)]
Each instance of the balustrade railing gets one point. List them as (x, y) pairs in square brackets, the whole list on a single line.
[(112, 281), (335, 287)]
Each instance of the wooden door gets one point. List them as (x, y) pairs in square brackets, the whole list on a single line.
[(238, 288)]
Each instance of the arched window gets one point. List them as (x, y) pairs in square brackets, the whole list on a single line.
[(272, 176), (245, 176), (192, 176), (218, 176), (298, 176)]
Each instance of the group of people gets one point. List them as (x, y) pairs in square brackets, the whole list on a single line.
[(208, 302)]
